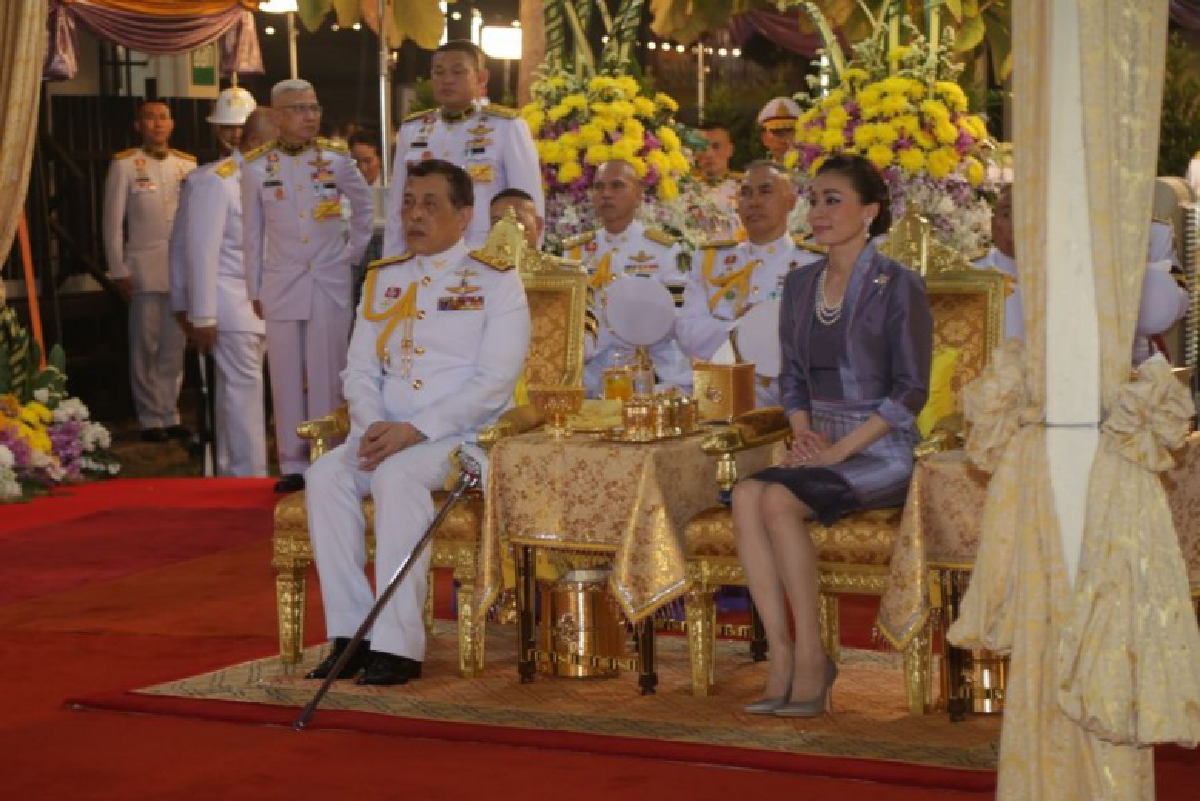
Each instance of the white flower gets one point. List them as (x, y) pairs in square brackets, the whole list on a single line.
[(41, 395), (7, 460)]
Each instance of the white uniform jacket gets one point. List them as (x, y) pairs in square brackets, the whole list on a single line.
[(728, 280), (217, 292), (141, 193), (492, 143), (636, 252), (439, 342), (295, 194)]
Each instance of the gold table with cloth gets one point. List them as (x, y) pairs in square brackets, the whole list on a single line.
[(940, 531), (627, 500)]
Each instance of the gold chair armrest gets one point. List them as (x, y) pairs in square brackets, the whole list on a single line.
[(748, 431), (324, 430), (947, 435), (517, 420)]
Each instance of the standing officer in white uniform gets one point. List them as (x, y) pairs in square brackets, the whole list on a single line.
[(219, 313), (721, 185), (625, 249), (733, 277), (439, 342), (140, 195), (492, 143), (299, 263)]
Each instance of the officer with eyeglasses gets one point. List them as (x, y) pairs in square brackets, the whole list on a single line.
[(298, 263)]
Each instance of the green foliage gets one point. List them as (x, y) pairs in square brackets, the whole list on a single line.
[(736, 108), (1179, 136), (21, 373)]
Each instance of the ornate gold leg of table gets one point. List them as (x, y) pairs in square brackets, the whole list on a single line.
[(526, 664)]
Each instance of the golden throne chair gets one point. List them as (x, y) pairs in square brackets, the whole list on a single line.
[(854, 553), (557, 295)]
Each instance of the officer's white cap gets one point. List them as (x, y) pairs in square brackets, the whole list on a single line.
[(232, 107), (779, 109)]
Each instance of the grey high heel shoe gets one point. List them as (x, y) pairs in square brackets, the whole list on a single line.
[(768, 706), (814, 707)]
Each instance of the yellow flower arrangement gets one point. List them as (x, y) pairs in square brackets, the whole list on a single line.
[(578, 123), (900, 106)]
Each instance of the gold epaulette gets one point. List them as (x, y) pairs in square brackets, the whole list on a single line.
[(578, 240), (407, 255), (336, 145), (659, 236), (124, 154), (805, 242), (416, 115), (737, 176), (182, 155), (501, 111), (258, 151), (497, 264), (719, 244), (227, 169), (1161, 220)]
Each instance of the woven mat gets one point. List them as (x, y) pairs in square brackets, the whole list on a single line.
[(869, 719)]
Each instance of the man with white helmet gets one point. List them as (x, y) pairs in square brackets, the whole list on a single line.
[(777, 119), (208, 286)]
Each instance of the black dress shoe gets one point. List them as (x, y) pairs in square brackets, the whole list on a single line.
[(290, 482), (357, 661), (181, 433), (387, 669), (155, 435)]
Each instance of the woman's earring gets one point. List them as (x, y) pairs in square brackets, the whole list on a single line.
[(867, 226)]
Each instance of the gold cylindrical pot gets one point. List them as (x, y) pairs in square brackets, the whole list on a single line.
[(973, 681), (581, 627)]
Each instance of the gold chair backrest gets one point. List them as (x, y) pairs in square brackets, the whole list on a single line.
[(968, 315), (557, 303)]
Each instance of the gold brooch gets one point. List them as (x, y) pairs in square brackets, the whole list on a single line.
[(881, 280)]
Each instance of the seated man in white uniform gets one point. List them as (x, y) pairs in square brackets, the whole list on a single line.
[(733, 277), (624, 249), (1163, 301), (439, 342)]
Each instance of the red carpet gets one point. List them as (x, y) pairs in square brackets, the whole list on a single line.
[(94, 605)]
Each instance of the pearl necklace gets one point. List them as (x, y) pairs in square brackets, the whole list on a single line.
[(827, 313)]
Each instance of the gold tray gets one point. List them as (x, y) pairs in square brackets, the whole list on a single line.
[(617, 434)]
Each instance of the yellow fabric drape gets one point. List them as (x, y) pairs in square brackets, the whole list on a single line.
[(1129, 658), (172, 8), (1076, 656), (22, 51), (419, 20)]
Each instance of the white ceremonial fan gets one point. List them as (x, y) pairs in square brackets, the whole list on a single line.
[(1162, 301), (758, 338), (640, 311)]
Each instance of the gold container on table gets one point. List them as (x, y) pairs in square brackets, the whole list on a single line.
[(723, 391), (638, 419), (581, 627)]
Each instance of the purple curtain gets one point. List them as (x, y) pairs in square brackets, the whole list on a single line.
[(147, 34), (781, 28)]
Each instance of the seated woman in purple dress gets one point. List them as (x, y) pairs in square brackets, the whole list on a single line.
[(857, 338)]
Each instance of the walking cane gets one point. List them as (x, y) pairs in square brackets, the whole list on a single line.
[(208, 415), (468, 478)]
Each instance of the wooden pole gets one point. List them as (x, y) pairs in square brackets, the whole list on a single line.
[(35, 317)]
